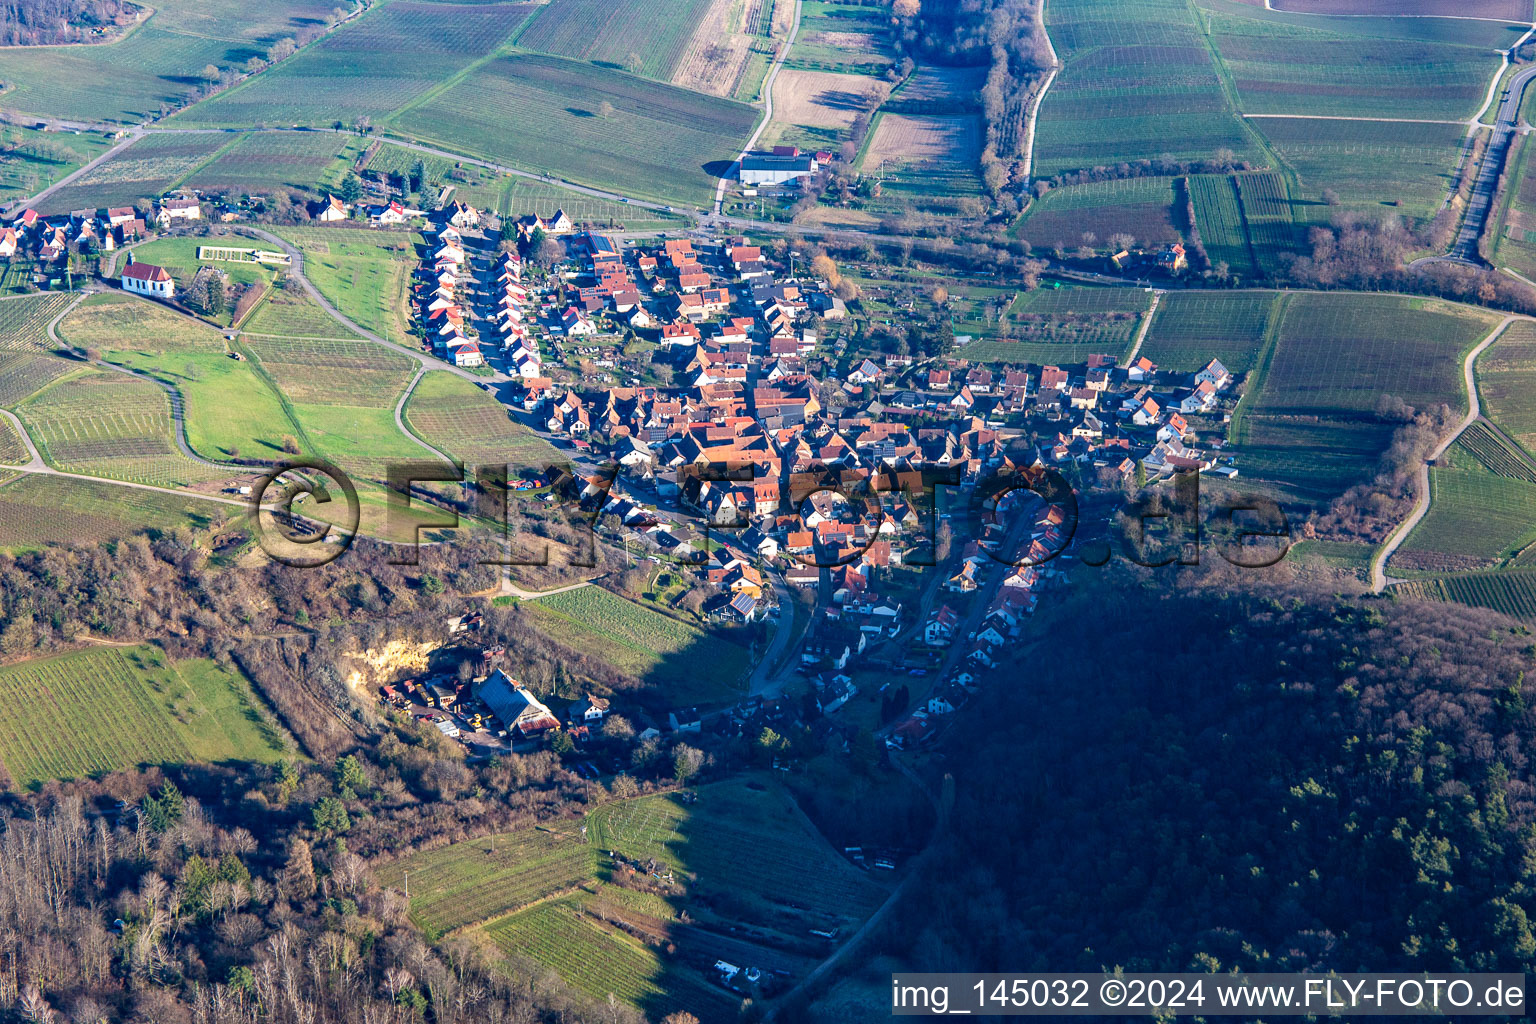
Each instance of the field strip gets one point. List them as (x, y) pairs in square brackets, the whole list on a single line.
[(1254, 387), (1343, 117), (1034, 108), (768, 80), (1421, 504), (486, 922)]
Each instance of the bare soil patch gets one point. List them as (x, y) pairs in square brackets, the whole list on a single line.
[(717, 53), (824, 99), (932, 141)]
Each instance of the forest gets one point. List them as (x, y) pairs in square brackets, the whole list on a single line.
[(49, 22), (1266, 780)]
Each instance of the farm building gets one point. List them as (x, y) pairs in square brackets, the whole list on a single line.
[(178, 209), (516, 708), (768, 169), (148, 279)]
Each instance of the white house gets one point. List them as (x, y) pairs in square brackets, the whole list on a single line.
[(178, 209), (148, 279)]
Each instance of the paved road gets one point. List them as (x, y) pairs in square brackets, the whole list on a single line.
[(1039, 100), (765, 681), (773, 73), (405, 396), (1487, 183), (1421, 504), (133, 136), (428, 361)]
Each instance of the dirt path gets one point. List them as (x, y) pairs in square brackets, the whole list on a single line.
[(1421, 504), (773, 73), (1146, 325)]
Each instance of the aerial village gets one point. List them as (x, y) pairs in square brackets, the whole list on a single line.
[(663, 356)]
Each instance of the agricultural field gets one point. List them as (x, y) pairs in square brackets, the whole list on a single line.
[(1516, 243), (741, 852), (230, 411), (1507, 10), (158, 65), (1475, 520), (270, 160), (358, 72), (13, 451), (24, 373), (642, 39), (1482, 444), (1506, 383), (660, 651), (1313, 459), (1267, 210), (111, 425), (814, 109), (1339, 353), (1063, 325), (24, 320), (364, 274), (118, 320), (462, 884), (922, 153), (454, 415), (335, 373), (1357, 67), (149, 168), (342, 395), (107, 709), (1308, 420), (732, 824), (31, 160), (843, 38), (1367, 164), (1512, 592), (1219, 216), (1140, 207), (1137, 83), (519, 196), (1192, 328), (731, 45), (37, 510), (660, 142), (289, 312), (597, 958)]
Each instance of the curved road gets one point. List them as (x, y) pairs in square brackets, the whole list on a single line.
[(1421, 504), (772, 76)]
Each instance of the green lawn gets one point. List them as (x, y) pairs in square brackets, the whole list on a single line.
[(109, 709), (1139, 207), (364, 274)]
